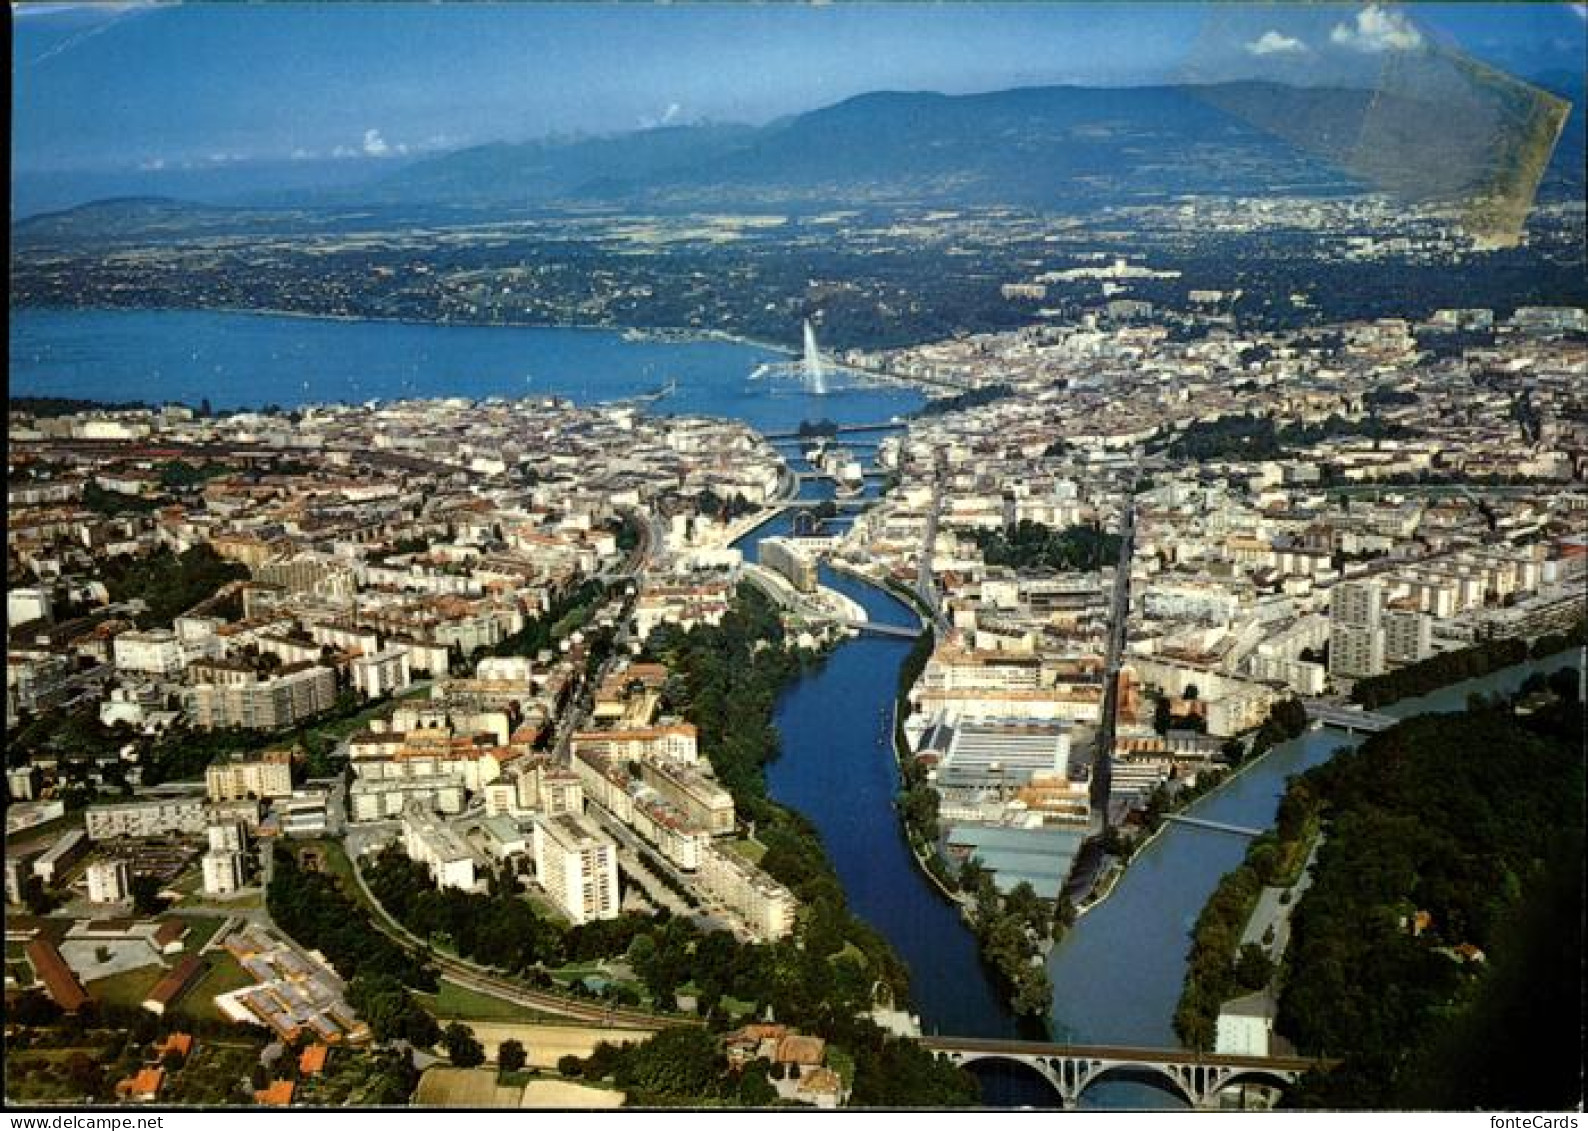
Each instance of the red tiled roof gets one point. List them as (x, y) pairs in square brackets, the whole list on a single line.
[(59, 981), (279, 1094), (311, 1061)]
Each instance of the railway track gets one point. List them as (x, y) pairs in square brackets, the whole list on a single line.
[(479, 978)]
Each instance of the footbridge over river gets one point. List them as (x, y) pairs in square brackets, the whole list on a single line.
[(1196, 1078), (1351, 719)]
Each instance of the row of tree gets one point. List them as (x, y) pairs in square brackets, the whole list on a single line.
[(1218, 966), (1465, 663)]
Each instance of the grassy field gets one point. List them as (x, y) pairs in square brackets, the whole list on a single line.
[(200, 930), (223, 976), (128, 988), (463, 1087), (746, 849), (458, 1002)]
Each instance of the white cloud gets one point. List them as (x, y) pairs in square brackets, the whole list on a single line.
[(343, 151), (153, 165), (1377, 29), (374, 144), (671, 112), (1275, 43), (1581, 10), (302, 155)]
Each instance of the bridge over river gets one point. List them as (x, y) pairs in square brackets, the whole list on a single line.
[(1351, 719), (1197, 1078)]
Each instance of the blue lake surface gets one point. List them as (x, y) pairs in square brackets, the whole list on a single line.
[(251, 360)]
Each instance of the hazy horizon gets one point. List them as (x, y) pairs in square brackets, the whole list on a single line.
[(209, 101)]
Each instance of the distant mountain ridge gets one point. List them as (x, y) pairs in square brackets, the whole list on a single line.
[(1031, 147), (1022, 146)]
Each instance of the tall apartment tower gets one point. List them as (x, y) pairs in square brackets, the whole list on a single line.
[(1356, 631), (577, 864)]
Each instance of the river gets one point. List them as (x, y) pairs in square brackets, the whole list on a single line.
[(1117, 974)]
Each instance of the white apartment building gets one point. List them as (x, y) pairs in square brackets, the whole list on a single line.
[(154, 652), (371, 800), (1408, 637), (108, 881), (766, 906), (381, 673), (1356, 636), (146, 818), (227, 836), (431, 843), (577, 864), (268, 776), (677, 742), (224, 873)]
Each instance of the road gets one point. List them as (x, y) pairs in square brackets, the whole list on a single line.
[(1119, 615)]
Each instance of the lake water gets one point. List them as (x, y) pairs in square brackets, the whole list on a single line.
[(249, 361)]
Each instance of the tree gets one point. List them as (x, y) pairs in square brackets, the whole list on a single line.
[(462, 1048), (146, 895), (570, 1066), (510, 1056), (1253, 968), (39, 899), (1191, 692), (1161, 718)]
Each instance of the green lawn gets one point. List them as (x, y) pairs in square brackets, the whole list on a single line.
[(224, 976), (128, 988), (200, 930), (746, 849), (458, 1002), (546, 909)]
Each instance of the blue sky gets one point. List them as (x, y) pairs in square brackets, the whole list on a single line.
[(162, 88)]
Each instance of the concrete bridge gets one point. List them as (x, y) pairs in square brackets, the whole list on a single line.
[(1195, 1078), (1215, 826), (876, 628), (841, 430), (1349, 719)]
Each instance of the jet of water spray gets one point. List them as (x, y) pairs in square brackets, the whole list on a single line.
[(815, 375)]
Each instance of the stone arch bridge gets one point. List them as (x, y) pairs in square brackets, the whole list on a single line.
[(1197, 1078)]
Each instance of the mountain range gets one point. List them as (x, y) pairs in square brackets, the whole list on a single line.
[(1037, 147)]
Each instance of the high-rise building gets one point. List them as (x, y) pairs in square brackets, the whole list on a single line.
[(108, 881), (1356, 636), (577, 864), (223, 872), (1408, 637)]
